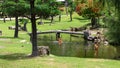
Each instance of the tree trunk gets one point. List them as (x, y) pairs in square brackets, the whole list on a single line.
[(24, 27), (4, 19), (70, 15), (51, 19), (66, 7), (59, 17), (98, 21), (41, 18), (10, 18), (34, 31), (16, 23), (93, 22), (16, 27)]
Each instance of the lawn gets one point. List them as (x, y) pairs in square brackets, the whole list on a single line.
[(14, 53)]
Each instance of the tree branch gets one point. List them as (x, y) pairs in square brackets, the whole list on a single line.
[(27, 17)]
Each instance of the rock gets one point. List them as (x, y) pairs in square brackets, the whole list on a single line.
[(13, 28), (43, 50)]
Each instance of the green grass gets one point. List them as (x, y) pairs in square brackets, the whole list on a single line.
[(64, 24), (14, 54), (19, 61)]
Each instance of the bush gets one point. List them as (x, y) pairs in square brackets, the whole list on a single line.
[(113, 33)]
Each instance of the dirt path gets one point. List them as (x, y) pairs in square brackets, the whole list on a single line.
[(2, 47)]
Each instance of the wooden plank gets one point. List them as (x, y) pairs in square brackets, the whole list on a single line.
[(59, 31), (72, 35)]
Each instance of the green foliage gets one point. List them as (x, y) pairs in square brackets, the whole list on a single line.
[(87, 13), (53, 5), (113, 23), (42, 10), (71, 6), (47, 8), (22, 8), (113, 33), (79, 1), (23, 20), (117, 7), (11, 8)]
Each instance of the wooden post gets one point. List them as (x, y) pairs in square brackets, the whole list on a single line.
[(57, 35)]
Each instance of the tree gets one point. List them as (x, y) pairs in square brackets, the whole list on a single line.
[(42, 10), (52, 4), (71, 6), (113, 28), (14, 8), (3, 14), (113, 23), (34, 30), (54, 10), (18, 8), (46, 9), (24, 22), (21, 8), (91, 10)]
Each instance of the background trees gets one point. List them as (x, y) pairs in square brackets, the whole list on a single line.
[(71, 8), (46, 9), (15, 9), (53, 7), (91, 9), (94, 8), (113, 22)]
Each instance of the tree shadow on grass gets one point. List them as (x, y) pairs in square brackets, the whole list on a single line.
[(80, 18), (6, 37), (47, 22), (15, 56)]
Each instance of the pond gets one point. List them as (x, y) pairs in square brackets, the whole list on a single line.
[(76, 48)]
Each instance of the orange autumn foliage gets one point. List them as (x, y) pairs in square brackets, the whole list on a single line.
[(79, 8), (95, 10), (94, 6)]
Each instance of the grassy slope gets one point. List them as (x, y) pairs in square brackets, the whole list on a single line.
[(64, 24), (13, 53)]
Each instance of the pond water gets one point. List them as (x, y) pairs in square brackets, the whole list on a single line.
[(78, 49)]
